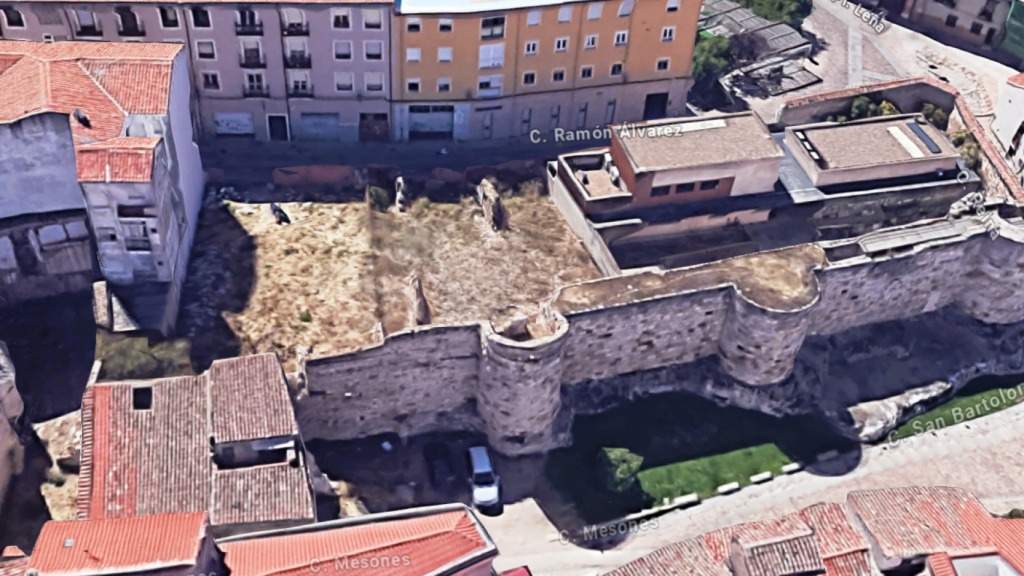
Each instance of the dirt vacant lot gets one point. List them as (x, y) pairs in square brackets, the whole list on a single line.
[(326, 279)]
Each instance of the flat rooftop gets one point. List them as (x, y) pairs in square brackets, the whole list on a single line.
[(691, 142), (877, 141)]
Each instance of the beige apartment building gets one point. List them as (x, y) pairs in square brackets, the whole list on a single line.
[(538, 69), (304, 71)]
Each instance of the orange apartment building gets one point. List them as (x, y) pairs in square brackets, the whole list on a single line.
[(478, 69)]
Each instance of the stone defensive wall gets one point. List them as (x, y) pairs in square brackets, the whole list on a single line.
[(751, 312)]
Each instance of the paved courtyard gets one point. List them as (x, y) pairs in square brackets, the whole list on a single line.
[(983, 456)]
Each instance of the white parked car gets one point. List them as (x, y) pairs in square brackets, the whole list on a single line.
[(485, 481)]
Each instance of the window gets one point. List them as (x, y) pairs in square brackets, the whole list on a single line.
[(951, 20), (48, 38), (444, 84), (668, 33), (341, 18), (565, 14), (525, 122), (626, 8), (211, 80), (672, 6), (621, 37), (373, 50), (587, 72), (492, 28), (254, 81), (594, 11), (205, 50), (591, 42), (412, 25), (169, 17), (529, 78), (246, 17), (342, 50), (558, 75), (489, 86), (87, 25), (976, 28), (371, 19), (130, 25), (444, 54), (299, 80), (609, 112), (561, 44), (374, 81), (662, 64), (412, 84), (531, 47), (492, 55), (344, 81), (660, 191), (142, 398), (616, 69), (412, 54), (533, 18), (556, 115), (444, 25), (581, 116), (681, 188), (709, 185), (13, 17), (200, 18)]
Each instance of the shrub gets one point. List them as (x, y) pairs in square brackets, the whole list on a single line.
[(711, 59), (619, 467), (939, 119), (888, 109), (378, 198), (863, 107), (55, 477), (1015, 514), (306, 316), (959, 137), (971, 153)]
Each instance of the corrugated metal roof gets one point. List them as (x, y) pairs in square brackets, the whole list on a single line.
[(120, 545), (686, 558), (401, 547)]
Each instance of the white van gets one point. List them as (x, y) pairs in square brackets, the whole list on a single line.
[(485, 481)]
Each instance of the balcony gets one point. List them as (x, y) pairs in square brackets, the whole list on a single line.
[(256, 92), (300, 91), (255, 60), (295, 29), (90, 32), (298, 60), (249, 29), (125, 32)]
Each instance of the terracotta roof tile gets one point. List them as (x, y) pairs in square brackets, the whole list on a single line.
[(941, 565), (851, 564), (767, 555), (718, 542), (105, 81), (122, 544), (408, 547), (249, 399), (128, 159), (262, 494), (686, 558), (12, 552), (13, 566), (158, 460), (835, 531), (1003, 535), (916, 521), (1017, 80)]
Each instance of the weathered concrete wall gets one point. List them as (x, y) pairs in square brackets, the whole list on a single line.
[(630, 324)]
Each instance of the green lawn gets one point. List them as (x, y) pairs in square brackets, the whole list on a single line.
[(705, 475), (967, 405)]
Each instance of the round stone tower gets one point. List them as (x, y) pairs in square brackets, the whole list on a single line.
[(758, 345), (520, 390)]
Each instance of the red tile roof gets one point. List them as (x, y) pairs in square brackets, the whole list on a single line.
[(140, 462), (1003, 535), (1017, 80), (397, 547), (104, 81), (119, 545), (843, 550), (12, 552), (718, 542), (13, 566), (941, 565), (686, 558), (117, 160), (249, 399), (916, 521), (262, 494)]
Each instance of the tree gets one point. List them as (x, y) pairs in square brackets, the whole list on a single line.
[(619, 467), (711, 59), (863, 107), (790, 12), (888, 109)]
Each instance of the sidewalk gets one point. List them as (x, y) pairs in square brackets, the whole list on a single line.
[(248, 162)]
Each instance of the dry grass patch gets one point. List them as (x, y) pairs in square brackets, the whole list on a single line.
[(338, 269)]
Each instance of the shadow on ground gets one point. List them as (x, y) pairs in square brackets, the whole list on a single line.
[(23, 509)]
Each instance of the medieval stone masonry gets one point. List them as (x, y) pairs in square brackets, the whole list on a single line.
[(752, 312)]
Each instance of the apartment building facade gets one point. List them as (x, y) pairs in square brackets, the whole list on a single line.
[(306, 71), (980, 22), (537, 69)]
